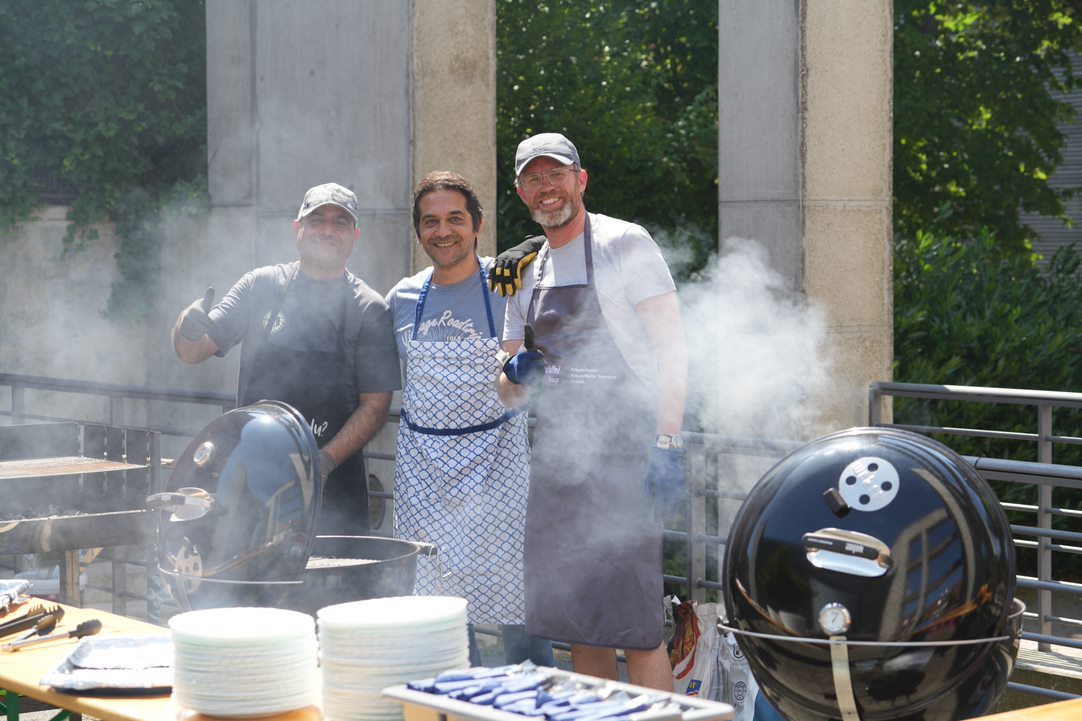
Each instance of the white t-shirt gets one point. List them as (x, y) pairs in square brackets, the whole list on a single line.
[(628, 269)]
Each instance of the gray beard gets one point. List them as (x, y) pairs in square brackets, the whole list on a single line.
[(554, 218)]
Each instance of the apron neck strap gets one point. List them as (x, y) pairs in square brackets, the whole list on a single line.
[(588, 253), (543, 256), (280, 300), (423, 296)]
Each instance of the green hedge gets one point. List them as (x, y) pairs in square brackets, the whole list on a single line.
[(970, 313)]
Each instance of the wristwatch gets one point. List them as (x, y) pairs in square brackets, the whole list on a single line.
[(503, 356), (670, 442)]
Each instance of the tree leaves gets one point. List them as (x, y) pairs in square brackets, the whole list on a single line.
[(634, 86), (975, 113), (106, 101)]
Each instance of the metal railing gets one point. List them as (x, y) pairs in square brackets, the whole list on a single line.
[(119, 397), (719, 472), (1040, 536)]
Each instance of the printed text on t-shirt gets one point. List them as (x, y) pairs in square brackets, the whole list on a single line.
[(447, 327)]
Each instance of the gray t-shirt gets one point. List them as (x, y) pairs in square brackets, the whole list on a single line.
[(310, 315), (451, 312), (628, 269)]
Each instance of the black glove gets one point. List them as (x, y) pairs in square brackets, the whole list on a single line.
[(665, 480), (194, 321), (505, 275), (527, 367), (326, 465)]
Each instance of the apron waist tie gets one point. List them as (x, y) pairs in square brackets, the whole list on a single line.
[(504, 417)]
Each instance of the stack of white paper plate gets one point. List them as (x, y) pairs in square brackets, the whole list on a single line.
[(244, 661), (366, 646)]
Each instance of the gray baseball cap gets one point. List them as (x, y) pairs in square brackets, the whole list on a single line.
[(329, 194), (550, 145)]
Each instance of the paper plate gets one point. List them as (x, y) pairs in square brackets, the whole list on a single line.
[(237, 662), (366, 646), (394, 612)]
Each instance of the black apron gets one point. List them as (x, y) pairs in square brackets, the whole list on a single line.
[(314, 383), (593, 548)]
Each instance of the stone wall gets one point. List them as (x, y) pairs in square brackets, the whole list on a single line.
[(364, 93)]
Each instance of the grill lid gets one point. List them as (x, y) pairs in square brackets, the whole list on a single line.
[(873, 568), (241, 503)]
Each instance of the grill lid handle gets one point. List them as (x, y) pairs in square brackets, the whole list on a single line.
[(185, 504), (845, 551)]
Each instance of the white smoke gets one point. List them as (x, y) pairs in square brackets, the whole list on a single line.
[(758, 349)]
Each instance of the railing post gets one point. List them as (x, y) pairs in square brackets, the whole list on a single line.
[(696, 559), (116, 411), (875, 405), (1044, 521), (18, 405)]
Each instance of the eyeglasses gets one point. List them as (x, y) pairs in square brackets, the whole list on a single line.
[(533, 181)]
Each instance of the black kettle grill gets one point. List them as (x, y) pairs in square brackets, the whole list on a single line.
[(236, 523), (870, 575)]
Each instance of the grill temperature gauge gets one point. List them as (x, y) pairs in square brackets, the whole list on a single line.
[(834, 619)]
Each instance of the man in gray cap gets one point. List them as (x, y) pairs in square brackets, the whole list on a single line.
[(602, 346), (314, 336)]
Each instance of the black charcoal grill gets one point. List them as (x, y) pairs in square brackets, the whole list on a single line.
[(70, 486), (236, 522)]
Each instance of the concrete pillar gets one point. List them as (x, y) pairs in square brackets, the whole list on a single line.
[(390, 91), (805, 91), (848, 73), (301, 93), (759, 140), (454, 101)]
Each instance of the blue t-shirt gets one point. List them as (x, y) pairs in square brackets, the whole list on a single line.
[(451, 312)]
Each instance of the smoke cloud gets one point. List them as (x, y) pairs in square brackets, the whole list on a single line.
[(758, 351)]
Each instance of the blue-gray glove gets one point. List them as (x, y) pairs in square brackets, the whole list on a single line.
[(527, 367), (665, 480), (326, 466), (194, 322)]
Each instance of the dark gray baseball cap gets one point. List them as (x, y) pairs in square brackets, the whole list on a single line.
[(329, 194), (550, 145)]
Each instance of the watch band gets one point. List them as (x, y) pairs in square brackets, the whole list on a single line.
[(674, 441)]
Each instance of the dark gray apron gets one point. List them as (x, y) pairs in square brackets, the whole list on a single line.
[(314, 383), (593, 548)]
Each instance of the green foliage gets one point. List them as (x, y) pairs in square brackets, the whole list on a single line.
[(634, 86), (972, 313), (977, 87), (968, 313), (109, 98), (975, 113)]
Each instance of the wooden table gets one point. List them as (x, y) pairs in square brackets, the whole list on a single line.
[(20, 672), (1060, 711)]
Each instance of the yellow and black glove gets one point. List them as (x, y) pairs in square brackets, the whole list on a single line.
[(505, 275)]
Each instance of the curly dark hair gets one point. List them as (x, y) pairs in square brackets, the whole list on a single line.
[(446, 180)]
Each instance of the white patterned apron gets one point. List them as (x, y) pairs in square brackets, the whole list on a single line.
[(462, 473)]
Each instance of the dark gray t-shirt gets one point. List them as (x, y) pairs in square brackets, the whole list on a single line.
[(310, 315)]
